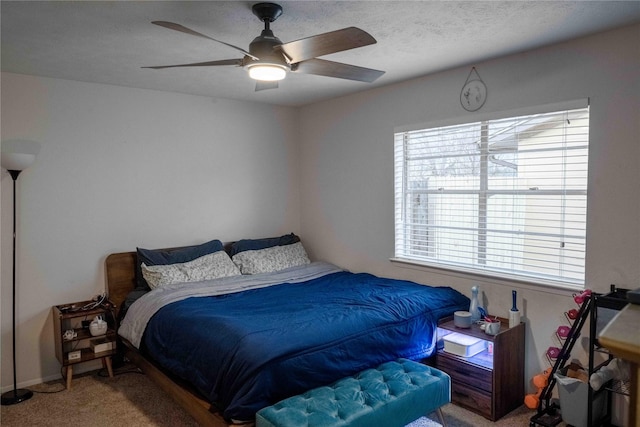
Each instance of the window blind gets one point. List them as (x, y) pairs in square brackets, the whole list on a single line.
[(506, 196)]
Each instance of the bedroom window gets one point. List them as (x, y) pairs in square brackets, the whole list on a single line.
[(504, 197)]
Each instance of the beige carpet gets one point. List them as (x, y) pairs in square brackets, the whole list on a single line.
[(131, 399)]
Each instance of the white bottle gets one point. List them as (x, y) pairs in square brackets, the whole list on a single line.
[(473, 307), (514, 313)]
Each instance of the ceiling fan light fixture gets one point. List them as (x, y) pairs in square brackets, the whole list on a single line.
[(267, 72)]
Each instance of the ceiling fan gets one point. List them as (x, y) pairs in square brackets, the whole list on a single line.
[(268, 60)]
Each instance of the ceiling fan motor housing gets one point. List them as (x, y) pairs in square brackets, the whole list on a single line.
[(263, 48)]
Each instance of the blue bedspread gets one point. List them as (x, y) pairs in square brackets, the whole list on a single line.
[(250, 349)]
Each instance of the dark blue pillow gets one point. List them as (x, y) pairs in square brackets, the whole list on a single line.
[(172, 256), (257, 244)]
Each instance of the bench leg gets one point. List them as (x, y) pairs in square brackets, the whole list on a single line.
[(441, 417)]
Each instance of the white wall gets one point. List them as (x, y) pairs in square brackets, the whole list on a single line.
[(347, 162), (121, 168)]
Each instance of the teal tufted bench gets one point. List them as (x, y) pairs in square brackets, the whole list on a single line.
[(393, 394)]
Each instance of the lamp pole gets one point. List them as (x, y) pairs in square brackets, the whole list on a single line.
[(16, 395), (17, 155)]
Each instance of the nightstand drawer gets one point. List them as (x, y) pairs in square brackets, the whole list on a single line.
[(471, 398), (465, 373)]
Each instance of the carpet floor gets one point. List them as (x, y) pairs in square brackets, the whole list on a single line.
[(132, 399)]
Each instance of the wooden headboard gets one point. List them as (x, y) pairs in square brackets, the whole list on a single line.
[(120, 270)]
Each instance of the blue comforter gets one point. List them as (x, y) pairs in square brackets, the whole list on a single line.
[(250, 349)]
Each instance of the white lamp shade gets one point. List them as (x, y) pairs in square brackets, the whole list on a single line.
[(18, 154)]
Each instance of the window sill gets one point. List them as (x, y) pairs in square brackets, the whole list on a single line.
[(496, 278)]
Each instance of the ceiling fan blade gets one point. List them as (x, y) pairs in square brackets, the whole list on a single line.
[(322, 67), (237, 62), (324, 44), (261, 85), (183, 29)]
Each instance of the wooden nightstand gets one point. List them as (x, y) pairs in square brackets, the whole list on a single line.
[(490, 383), (70, 317)]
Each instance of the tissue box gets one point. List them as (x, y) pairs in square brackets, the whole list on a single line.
[(463, 345), (102, 344)]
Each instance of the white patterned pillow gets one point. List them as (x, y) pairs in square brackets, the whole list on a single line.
[(271, 259), (207, 267)]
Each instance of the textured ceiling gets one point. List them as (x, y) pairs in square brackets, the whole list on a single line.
[(108, 42)]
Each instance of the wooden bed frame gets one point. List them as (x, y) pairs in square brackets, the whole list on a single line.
[(120, 269)]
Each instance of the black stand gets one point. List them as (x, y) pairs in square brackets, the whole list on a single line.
[(16, 395)]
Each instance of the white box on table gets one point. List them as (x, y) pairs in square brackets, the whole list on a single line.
[(102, 344), (463, 345)]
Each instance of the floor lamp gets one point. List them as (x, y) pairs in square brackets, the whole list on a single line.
[(17, 155)]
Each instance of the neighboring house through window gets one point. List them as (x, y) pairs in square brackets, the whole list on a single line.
[(504, 197)]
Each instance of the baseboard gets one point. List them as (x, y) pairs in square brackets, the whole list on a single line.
[(77, 369)]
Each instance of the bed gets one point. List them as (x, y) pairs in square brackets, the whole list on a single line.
[(226, 347)]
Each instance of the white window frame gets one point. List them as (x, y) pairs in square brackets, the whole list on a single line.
[(422, 249)]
